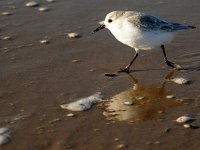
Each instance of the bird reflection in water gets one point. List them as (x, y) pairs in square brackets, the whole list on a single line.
[(140, 103)]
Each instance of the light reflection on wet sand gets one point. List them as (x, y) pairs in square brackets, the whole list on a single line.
[(148, 102)]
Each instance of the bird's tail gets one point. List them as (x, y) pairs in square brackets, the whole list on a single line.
[(192, 27), (177, 26)]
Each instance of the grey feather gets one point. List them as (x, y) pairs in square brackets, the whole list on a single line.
[(148, 22)]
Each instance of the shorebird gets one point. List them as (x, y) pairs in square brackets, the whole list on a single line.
[(142, 32)]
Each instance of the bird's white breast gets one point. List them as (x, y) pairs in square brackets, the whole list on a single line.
[(132, 36)]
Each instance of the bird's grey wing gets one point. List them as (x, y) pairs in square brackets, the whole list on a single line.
[(149, 23)]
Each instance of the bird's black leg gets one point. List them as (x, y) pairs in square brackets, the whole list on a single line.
[(169, 63), (126, 69)]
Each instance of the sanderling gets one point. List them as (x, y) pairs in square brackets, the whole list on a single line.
[(142, 32)]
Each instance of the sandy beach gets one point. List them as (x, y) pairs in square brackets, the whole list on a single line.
[(36, 78)]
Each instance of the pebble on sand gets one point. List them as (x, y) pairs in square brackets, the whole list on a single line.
[(75, 61), (6, 38), (128, 103), (44, 41), (157, 142), (120, 146), (51, 1), (4, 139), (83, 103), (191, 126), (6, 13), (43, 9), (73, 35), (185, 119), (70, 115), (140, 98), (181, 80), (116, 139), (170, 96), (92, 70), (32, 4), (4, 130)]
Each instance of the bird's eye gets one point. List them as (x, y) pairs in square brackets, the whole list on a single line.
[(109, 20)]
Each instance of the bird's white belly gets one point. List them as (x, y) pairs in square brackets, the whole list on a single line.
[(143, 40)]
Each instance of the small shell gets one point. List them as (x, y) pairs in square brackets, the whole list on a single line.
[(44, 41), (4, 139), (70, 115), (74, 35), (32, 4), (192, 126), (140, 98), (170, 96), (43, 9), (160, 112), (181, 80), (6, 13), (75, 61), (184, 119), (51, 1), (4, 130), (116, 139), (157, 142), (92, 70), (6, 38), (128, 103), (83, 103), (111, 110), (120, 146), (96, 129)]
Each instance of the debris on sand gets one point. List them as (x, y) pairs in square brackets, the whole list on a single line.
[(6, 38), (83, 103), (187, 122), (128, 103), (73, 35), (4, 135), (191, 126), (120, 146), (4, 130), (6, 13), (43, 9), (44, 41), (185, 119), (51, 1), (70, 115), (32, 4), (75, 61), (4, 139), (181, 80), (170, 96)]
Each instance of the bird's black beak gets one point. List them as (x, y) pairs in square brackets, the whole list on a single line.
[(99, 28)]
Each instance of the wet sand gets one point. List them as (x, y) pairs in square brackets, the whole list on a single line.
[(37, 78)]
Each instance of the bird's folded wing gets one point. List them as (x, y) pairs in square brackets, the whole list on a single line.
[(152, 23)]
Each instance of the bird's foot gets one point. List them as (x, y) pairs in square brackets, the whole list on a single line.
[(173, 65), (126, 69)]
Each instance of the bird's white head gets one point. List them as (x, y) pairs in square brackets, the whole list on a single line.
[(112, 17), (110, 20)]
